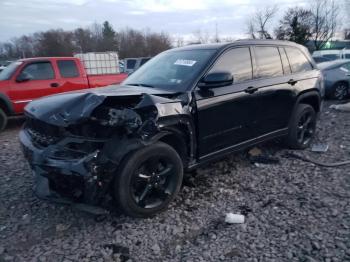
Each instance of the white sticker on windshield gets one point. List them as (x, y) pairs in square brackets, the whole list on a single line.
[(185, 62)]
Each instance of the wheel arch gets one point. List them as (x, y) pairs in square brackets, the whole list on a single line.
[(5, 104), (311, 98), (175, 137)]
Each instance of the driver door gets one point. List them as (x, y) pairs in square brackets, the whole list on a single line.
[(227, 115), (42, 82)]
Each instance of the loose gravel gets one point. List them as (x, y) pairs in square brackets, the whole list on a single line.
[(295, 211)]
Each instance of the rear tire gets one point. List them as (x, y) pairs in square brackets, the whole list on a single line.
[(302, 127), (148, 180), (3, 120), (340, 91)]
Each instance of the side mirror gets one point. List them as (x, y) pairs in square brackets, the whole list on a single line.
[(216, 79), (23, 77)]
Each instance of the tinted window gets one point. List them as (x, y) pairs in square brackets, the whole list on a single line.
[(130, 64), (347, 56), (297, 60), (238, 62), (285, 62), (268, 61), (331, 57), (143, 61), (7, 73), (68, 68), (39, 71)]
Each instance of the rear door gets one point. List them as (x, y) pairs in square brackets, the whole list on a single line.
[(276, 95), (226, 115), (70, 77), (304, 76), (43, 82)]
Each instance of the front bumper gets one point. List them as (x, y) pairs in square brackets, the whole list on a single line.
[(62, 175)]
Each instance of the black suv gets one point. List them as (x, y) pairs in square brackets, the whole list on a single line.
[(183, 108)]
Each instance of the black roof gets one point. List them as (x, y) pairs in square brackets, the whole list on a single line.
[(217, 46)]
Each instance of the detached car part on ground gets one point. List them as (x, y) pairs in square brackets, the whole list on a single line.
[(184, 108)]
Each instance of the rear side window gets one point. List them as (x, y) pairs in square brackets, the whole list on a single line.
[(298, 61), (130, 64), (238, 62), (285, 62), (268, 61), (39, 71), (143, 61), (68, 68)]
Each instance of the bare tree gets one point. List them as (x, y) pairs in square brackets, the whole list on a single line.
[(179, 41), (258, 24), (128, 42), (200, 37), (324, 22)]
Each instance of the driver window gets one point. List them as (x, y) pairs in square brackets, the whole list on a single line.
[(238, 62), (39, 71)]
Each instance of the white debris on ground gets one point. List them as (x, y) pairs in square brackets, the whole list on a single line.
[(234, 218), (341, 107)]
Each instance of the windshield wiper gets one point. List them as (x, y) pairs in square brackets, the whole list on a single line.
[(144, 85)]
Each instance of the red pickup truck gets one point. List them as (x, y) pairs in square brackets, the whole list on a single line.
[(28, 79)]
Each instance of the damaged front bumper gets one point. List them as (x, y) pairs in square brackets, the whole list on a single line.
[(66, 175)]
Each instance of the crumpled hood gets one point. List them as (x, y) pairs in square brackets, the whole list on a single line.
[(73, 107)]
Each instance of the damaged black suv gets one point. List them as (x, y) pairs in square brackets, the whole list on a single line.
[(130, 144)]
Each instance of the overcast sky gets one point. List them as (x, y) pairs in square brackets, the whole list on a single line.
[(177, 17)]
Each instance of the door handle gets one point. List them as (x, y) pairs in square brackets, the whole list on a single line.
[(292, 82), (251, 90), (54, 85)]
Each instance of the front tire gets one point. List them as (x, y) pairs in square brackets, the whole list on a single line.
[(3, 120), (340, 91), (149, 179), (302, 127)]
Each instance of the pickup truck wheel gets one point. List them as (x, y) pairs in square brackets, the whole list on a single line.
[(149, 180), (3, 120), (340, 91), (302, 127)]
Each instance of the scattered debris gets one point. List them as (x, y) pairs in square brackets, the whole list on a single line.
[(62, 227), (234, 218), (255, 151), (319, 148), (156, 248), (118, 249), (257, 157), (264, 159), (245, 210), (341, 107)]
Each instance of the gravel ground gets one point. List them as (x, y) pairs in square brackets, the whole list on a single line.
[(295, 211)]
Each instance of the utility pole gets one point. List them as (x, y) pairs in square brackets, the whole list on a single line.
[(216, 40)]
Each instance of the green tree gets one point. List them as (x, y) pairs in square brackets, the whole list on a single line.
[(109, 38), (296, 26)]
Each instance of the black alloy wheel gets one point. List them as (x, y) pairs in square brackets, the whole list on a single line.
[(149, 180), (302, 127), (306, 128)]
